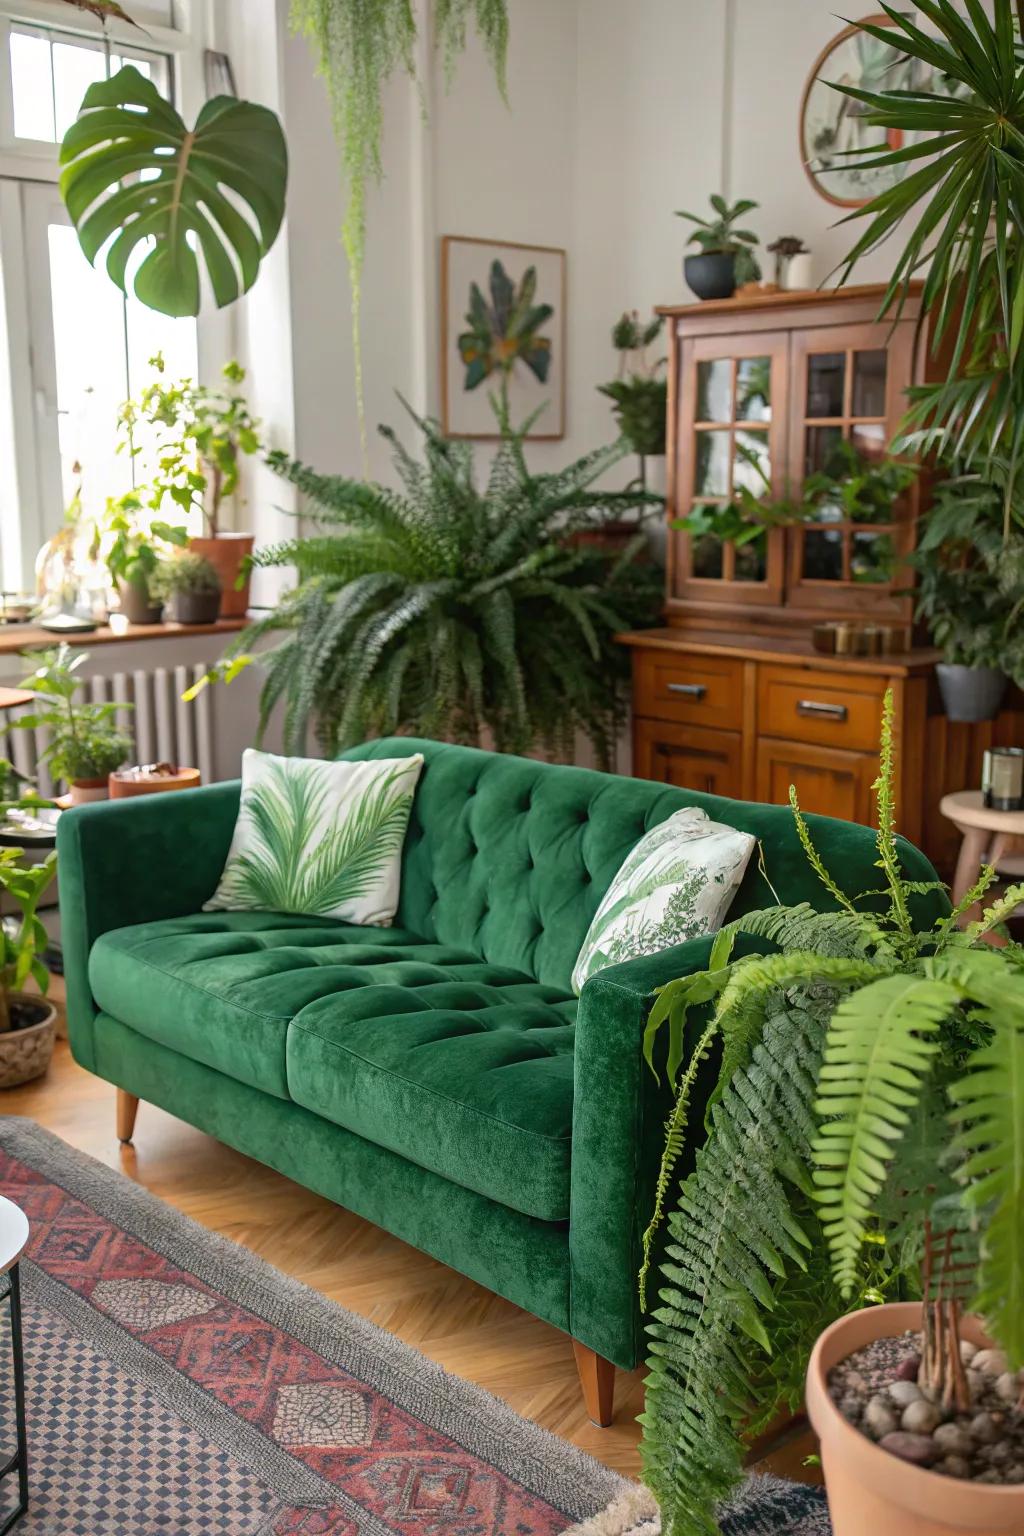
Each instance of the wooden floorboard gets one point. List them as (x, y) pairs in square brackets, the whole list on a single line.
[(465, 1328)]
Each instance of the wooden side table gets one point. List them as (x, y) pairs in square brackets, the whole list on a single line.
[(13, 1237), (988, 837)]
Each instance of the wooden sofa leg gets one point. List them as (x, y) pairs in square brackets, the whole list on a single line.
[(127, 1108), (597, 1378)]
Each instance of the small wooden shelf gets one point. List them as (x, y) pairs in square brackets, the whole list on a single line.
[(23, 637)]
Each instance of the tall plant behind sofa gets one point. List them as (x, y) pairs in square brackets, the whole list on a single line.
[(456, 610)]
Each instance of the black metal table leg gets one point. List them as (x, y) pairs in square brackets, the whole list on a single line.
[(19, 1461)]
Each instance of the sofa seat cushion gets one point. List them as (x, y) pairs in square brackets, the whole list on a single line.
[(222, 987), (465, 1070)]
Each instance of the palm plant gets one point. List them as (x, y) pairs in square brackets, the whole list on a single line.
[(451, 609), (963, 203), (300, 860), (870, 1095)]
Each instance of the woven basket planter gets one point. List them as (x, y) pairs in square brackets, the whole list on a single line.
[(25, 1053)]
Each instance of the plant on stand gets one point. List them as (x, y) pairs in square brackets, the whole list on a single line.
[(726, 260), (85, 745), (26, 1020), (134, 554), (452, 609), (196, 438), (870, 1099), (639, 392)]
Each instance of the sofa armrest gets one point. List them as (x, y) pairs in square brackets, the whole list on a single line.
[(134, 861), (619, 1114)]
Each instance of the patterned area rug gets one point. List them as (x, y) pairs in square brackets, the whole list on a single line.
[(178, 1384)]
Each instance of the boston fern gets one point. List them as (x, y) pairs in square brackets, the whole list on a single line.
[(871, 1091), (451, 610)]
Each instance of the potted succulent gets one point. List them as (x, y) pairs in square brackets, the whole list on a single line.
[(202, 435), (639, 392), (134, 554), (792, 263), (726, 260), (190, 585), (26, 1021), (85, 745)]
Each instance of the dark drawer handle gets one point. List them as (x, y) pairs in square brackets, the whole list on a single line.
[(813, 708), (688, 690)]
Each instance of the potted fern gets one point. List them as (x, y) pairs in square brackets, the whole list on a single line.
[(863, 1144)]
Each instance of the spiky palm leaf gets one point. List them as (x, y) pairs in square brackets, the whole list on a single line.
[(447, 609)]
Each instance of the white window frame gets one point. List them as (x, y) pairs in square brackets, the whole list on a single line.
[(32, 473)]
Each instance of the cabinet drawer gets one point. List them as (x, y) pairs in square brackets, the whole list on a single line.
[(798, 705), (688, 757), (696, 690)]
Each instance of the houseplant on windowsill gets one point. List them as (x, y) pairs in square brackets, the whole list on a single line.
[(198, 438), (726, 260), (85, 744), (189, 584), (26, 1021), (134, 555)]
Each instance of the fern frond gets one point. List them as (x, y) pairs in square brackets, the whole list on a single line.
[(814, 858), (880, 1048)]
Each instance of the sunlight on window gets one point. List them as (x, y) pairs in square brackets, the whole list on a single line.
[(32, 78), (51, 73), (103, 345)]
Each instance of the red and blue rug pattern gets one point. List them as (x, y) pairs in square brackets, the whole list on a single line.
[(177, 1384)]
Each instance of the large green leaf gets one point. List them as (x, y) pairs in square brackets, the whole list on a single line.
[(134, 175)]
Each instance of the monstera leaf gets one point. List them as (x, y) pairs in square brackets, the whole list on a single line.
[(134, 174)]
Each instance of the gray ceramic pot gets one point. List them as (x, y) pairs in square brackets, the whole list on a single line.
[(970, 694), (711, 276)]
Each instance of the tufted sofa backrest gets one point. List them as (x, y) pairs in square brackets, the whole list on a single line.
[(509, 858)]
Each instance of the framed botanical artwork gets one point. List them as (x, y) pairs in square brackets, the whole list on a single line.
[(502, 337), (831, 123)]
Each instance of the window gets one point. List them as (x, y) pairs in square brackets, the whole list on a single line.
[(72, 347)]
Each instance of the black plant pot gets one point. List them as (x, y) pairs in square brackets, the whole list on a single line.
[(970, 694), (713, 275), (195, 607)]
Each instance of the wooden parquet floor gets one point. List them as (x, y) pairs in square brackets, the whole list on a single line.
[(465, 1328)]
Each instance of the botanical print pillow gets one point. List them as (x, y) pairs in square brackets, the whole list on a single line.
[(677, 884), (317, 837)]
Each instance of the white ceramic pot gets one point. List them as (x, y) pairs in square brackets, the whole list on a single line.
[(799, 273)]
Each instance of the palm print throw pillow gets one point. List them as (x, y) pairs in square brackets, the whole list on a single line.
[(320, 838), (677, 884)]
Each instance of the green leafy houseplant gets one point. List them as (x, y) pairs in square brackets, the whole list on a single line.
[(718, 236), (85, 744), (190, 586), (505, 331), (451, 609), (22, 945), (135, 548), (964, 156), (638, 393), (870, 1092), (134, 175), (358, 47)]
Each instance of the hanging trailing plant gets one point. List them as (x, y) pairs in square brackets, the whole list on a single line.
[(359, 45)]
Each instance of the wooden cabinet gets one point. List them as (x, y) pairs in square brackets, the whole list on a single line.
[(828, 780), (763, 392), (689, 757)]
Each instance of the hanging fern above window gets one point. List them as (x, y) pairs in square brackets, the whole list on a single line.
[(359, 45)]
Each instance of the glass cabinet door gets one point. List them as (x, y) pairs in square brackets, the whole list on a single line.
[(847, 397), (731, 393)]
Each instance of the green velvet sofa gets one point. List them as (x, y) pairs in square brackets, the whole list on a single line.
[(438, 1077)]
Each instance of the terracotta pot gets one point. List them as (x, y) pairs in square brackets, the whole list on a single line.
[(196, 607), (136, 603), (870, 1491), (124, 787), (86, 791), (25, 1053), (226, 552)]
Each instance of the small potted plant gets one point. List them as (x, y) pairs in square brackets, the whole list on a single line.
[(792, 263), (190, 586), (639, 392), (26, 1021), (202, 435), (726, 260), (134, 554), (85, 744)]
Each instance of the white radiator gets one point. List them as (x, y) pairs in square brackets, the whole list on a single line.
[(163, 729)]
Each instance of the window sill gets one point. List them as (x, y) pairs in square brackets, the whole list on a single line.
[(21, 637)]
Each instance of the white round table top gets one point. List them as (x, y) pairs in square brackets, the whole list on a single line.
[(967, 808), (13, 1233)]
